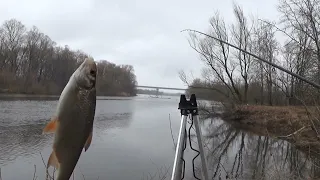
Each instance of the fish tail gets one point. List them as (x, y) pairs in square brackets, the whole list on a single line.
[(52, 161), (69, 165)]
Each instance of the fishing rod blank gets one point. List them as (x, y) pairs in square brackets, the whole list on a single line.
[(259, 58)]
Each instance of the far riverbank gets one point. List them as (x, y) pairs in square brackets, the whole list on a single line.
[(7, 96)]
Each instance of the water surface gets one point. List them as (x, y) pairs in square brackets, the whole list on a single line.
[(132, 140)]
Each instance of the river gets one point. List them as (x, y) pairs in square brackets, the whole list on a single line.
[(133, 140)]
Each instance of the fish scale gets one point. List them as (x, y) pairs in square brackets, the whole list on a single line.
[(85, 102)]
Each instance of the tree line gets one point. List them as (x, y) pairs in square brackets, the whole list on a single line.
[(237, 77), (32, 63)]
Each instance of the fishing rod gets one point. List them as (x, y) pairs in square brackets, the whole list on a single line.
[(259, 58), (190, 108)]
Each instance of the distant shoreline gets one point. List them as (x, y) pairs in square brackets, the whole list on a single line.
[(17, 96)]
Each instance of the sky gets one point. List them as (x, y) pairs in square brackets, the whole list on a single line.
[(142, 33)]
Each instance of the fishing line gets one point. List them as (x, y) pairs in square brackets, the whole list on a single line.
[(257, 57), (193, 166), (184, 162)]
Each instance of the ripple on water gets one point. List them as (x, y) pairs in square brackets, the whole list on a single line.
[(21, 125)]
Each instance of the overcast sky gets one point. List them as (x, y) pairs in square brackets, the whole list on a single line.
[(143, 33)]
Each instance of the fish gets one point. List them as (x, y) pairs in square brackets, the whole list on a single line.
[(73, 120)]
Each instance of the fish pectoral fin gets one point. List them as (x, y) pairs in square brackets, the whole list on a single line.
[(53, 161), (88, 142), (51, 126)]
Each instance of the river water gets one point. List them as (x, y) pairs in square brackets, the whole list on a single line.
[(133, 140)]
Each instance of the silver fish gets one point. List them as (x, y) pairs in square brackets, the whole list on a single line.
[(73, 120)]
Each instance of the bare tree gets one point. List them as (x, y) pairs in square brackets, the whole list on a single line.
[(217, 56), (242, 38), (266, 46), (13, 32), (301, 22)]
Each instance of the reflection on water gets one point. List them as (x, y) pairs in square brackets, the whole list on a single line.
[(234, 153)]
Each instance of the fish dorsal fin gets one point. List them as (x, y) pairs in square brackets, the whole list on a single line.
[(51, 126), (88, 142), (53, 160)]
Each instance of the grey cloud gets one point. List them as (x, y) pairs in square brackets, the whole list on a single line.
[(145, 34)]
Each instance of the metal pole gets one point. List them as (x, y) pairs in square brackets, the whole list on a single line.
[(202, 154), (177, 166)]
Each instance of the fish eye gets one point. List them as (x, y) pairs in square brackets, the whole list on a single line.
[(93, 73)]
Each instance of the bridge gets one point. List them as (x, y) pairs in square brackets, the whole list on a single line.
[(156, 87), (159, 87)]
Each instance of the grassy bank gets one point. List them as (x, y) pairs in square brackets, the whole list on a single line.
[(297, 124)]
